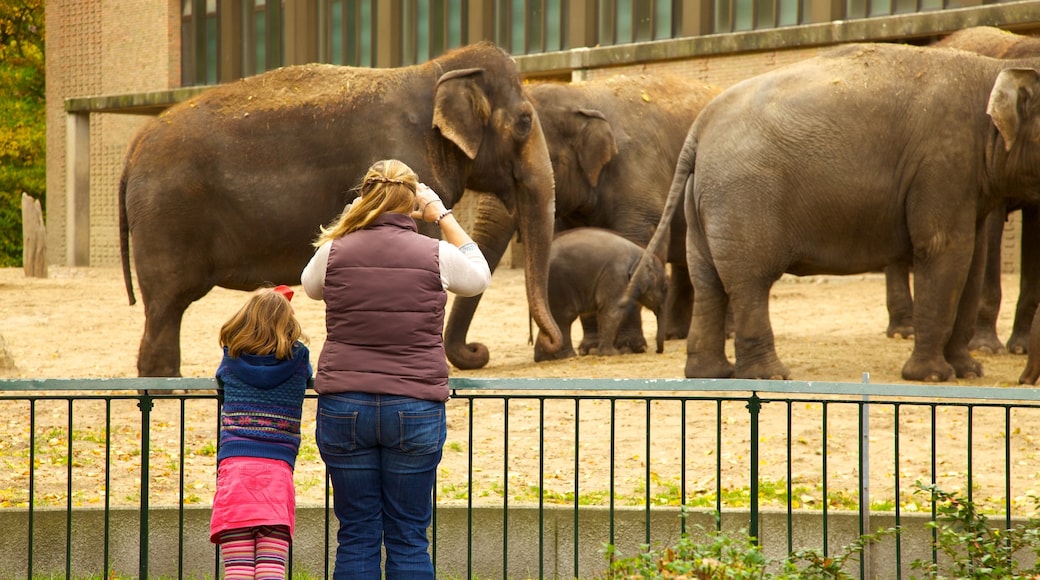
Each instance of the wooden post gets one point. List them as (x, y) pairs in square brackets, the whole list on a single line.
[(34, 238)]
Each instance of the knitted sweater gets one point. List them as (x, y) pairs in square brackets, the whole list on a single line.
[(263, 404)]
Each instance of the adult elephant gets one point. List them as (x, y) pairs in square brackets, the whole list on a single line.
[(997, 43), (842, 164), (229, 189), (613, 144)]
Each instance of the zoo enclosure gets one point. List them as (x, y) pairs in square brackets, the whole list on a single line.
[(538, 475)]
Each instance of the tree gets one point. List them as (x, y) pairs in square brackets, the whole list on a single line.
[(23, 133)]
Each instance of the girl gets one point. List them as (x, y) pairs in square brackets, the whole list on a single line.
[(263, 376)]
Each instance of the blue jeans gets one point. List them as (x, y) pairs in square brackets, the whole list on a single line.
[(381, 452)]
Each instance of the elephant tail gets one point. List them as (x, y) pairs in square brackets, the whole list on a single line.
[(124, 235), (683, 171)]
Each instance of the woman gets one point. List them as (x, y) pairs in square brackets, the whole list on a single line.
[(382, 375)]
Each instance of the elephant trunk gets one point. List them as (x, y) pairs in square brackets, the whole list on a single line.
[(492, 231), (537, 215)]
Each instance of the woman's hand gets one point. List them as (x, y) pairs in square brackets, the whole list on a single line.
[(428, 204)]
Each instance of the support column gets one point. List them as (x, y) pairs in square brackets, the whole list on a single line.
[(77, 189)]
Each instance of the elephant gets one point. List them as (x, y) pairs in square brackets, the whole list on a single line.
[(861, 157), (589, 271), (613, 144), (997, 43), (230, 188)]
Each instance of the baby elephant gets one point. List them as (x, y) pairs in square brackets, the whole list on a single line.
[(589, 269)]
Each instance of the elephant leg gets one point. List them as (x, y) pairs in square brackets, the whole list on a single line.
[(1031, 373), (945, 307), (609, 320), (589, 333), (160, 351), (899, 301), (1028, 283), (492, 231), (564, 315), (679, 302), (754, 344), (706, 341), (630, 338), (985, 336)]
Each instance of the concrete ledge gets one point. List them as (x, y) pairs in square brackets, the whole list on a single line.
[(533, 543)]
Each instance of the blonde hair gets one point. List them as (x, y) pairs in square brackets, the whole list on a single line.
[(265, 325), (388, 186)]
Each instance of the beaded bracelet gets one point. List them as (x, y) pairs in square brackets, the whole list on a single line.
[(442, 216)]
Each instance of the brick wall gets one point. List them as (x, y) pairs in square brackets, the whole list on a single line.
[(102, 47)]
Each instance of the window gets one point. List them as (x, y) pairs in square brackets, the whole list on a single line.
[(351, 29), (627, 21), (262, 46), (741, 15), (200, 40), (532, 26), (429, 29)]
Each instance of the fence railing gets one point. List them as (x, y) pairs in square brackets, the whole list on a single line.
[(113, 477)]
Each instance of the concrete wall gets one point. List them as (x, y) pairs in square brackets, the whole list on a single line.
[(457, 543)]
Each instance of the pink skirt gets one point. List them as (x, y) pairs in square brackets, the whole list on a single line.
[(252, 492)]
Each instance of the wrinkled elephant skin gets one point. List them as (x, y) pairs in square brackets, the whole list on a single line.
[(589, 270), (613, 144), (996, 43), (865, 155), (230, 188)]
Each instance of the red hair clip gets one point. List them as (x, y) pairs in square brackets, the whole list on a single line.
[(284, 291)]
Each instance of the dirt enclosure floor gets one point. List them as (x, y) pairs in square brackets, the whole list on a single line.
[(77, 323)]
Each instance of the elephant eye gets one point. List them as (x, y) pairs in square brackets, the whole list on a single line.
[(523, 125)]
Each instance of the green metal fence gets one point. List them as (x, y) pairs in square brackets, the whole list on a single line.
[(113, 477)]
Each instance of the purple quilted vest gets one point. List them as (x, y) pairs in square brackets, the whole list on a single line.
[(384, 313)]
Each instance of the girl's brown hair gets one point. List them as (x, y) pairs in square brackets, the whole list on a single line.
[(265, 325), (389, 186)]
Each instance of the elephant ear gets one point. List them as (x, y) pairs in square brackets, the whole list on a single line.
[(596, 144), (461, 109), (1009, 99)]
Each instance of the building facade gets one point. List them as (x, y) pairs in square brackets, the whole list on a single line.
[(112, 63)]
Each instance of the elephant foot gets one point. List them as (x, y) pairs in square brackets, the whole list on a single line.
[(676, 331), (1018, 343), (633, 344), (966, 367), (901, 330), (927, 370), (1031, 373), (986, 341), (541, 356), (776, 371), (701, 368)]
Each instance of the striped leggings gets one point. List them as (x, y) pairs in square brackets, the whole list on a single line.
[(261, 552)]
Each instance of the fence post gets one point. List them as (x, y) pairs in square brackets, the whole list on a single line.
[(145, 404), (754, 408), (864, 479)]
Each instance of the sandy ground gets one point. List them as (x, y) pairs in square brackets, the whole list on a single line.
[(77, 323)]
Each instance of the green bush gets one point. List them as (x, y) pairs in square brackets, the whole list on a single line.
[(968, 547)]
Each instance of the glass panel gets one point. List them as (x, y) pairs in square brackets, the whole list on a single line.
[(409, 32), (856, 8), (535, 27), (606, 22), (336, 32), (764, 16), (880, 7), (906, 6), (350, 32), (934, 5), (624, 21), (259, 39), (516, 25), (663, 19), (454, 23), (211, 49), (438, 12), (788, 12), (553, 25), (422, 31), (643, 23), (742, 18), (723, 15), (502, 24), (364, 33)]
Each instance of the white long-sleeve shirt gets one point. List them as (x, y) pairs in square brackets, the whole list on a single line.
[(464, 270)]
